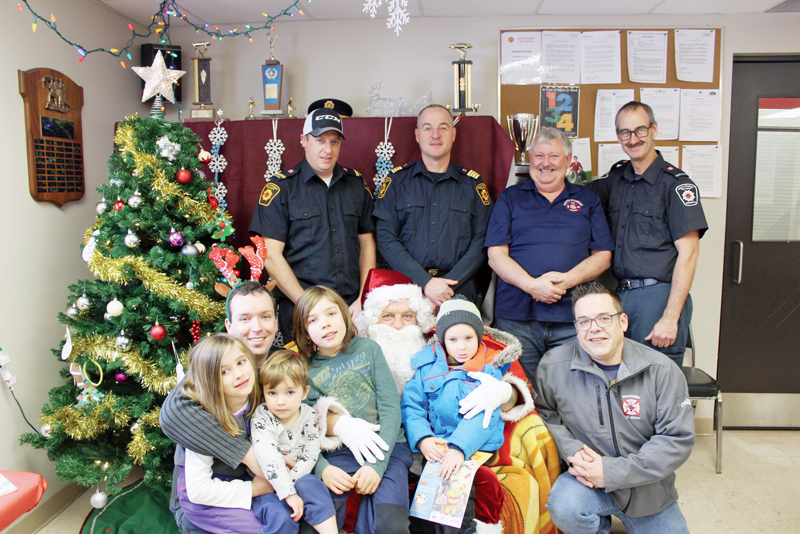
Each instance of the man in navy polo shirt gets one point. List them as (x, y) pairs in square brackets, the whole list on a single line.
[(545, 237)]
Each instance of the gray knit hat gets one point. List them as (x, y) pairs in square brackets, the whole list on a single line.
[(458, 310)]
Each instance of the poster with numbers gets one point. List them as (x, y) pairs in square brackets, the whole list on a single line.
[(558, 108)]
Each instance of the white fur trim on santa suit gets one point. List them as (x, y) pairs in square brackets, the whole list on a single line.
[(487, 528), (520, 410), (380, 297), (322, 407)]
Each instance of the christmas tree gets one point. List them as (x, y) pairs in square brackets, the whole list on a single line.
[(129, 330)]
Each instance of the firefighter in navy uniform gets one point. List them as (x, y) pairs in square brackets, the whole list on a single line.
[(432, 214), (656, 220), (316, 220)]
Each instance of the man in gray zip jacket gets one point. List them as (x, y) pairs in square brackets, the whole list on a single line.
[(621, 418)]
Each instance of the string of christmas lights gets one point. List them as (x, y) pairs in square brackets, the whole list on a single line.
[(160, 26)]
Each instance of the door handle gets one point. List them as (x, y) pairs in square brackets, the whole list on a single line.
[(738, 278)]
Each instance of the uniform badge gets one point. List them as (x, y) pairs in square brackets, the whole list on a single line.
[(573, 205), (384, 187), (688, 194), (268, 194), (631, 407), (483, 193)]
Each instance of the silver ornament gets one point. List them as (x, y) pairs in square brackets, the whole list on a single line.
[(131, 239), (107, 316), (45, 431), (101, 207), (189, 250), (123, 342), (99, 499), (82, 303), (190, 285), (72, 311), (135, 201), (115, 182)]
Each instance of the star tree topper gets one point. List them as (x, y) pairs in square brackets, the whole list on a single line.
[(158, 79)]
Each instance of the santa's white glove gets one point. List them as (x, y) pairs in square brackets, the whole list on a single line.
[(485, 398), (360, 437)]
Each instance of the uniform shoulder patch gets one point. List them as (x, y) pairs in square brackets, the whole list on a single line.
[(688, 194), (397, 168), (279, 175), (483, 193), (384, 186), (674, 171), (368, 191), (268, 194)]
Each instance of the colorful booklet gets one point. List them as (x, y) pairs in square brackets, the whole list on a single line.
[(444, 501), (6, 486)]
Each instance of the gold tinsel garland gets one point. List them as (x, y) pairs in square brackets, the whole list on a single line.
[(85, 427), (139, 447), (126, 142), (104, 348), (111, 270)]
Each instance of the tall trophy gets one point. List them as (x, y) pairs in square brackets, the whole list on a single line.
[(202, 83), (272, 78), (463, 80), (522, 127)]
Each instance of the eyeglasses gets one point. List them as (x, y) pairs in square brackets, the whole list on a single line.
[(603, 321), (640, 132)]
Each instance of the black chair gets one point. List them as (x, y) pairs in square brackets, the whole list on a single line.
[(703, 386)]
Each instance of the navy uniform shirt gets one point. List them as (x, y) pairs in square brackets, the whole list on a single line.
[(319, 225), (433, 222), (544, 236), (647, 214)]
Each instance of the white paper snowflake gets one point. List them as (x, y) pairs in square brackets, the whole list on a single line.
[(398, 13), (274, 148), (385, 150), (218, 136), (168, 149), (220, 192), (218, 163)]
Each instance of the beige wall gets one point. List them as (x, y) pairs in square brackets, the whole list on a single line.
[(39, 241)]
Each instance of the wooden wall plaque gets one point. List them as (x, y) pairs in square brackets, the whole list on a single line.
[(54, 131)]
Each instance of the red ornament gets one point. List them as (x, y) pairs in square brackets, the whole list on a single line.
[(236, 273), (184, 176), (158, 332), (118, 205), (195, 331)]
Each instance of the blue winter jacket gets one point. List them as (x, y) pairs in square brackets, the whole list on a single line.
[(430, 404)]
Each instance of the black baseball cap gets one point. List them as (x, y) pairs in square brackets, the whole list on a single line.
[(323, 120)]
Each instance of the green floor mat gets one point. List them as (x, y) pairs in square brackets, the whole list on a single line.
[(135, 510)]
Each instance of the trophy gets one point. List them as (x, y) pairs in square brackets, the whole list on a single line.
[(271, 77), (202, 83), (522, 127), (463, 80)]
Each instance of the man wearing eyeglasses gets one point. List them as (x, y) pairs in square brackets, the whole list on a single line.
[(657, 221), (621, 418), (545, 237)]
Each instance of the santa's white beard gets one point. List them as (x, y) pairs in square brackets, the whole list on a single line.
[(398, 346)]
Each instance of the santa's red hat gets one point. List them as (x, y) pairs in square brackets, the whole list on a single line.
[(384, 286)]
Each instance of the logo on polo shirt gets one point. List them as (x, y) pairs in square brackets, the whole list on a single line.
[(631, 406), (573, 205), (483, 194), (268, 194), (688, 194)]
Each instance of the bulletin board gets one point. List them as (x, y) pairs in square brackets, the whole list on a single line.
[(525, 98)]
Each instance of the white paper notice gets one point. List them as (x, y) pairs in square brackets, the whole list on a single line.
[(600, 57), (521, 55), (607, 155), (561, 61), (666, 104), (703, 164), (581, 148), (700, 110), (605, 111), (694, 55), (671, 154), (647, 57)]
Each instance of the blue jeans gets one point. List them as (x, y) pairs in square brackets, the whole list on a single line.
[(276, 514), (536, 338), (576, 509), (644, 307)]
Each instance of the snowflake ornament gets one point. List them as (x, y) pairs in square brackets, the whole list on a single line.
[(274, 148), (167, 148), (398, 13), (385, 150), (220, 192), (218, 136), (218, 163)]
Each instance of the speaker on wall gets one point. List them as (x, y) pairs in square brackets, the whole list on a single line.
[(172, 62)]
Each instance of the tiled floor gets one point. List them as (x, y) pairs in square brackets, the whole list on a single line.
[(758, 490)]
